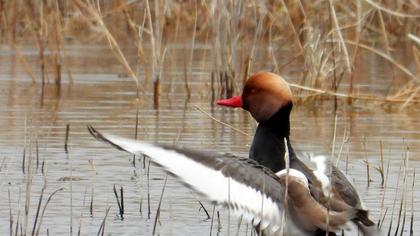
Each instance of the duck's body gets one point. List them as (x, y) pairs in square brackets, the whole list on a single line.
[(268, 145), (269, 100)]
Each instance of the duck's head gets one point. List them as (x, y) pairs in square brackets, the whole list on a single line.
[(263, 95)]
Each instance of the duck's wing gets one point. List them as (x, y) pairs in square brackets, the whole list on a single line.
[(345, 188), (349, 194), (236, 183)]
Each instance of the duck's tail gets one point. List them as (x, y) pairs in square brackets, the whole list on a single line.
[(363, 216)]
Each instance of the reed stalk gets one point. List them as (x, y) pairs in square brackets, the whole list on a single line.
[(159, 206)]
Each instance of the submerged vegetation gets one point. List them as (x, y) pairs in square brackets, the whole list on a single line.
[(326, 39)]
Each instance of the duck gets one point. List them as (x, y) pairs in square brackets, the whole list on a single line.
[(269, 100), (243, 186)]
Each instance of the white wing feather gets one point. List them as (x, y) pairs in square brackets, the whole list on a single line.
[(209, 182)]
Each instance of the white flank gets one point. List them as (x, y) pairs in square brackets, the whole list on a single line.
[(211, 183), (294, 173), (320, 173)]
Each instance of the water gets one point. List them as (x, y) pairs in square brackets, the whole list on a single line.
[(103, 97)]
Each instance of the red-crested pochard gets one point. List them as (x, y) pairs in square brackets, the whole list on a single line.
[(268, 98)]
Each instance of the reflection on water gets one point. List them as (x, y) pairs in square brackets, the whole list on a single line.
[(106, 100)]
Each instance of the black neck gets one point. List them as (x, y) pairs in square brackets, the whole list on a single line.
[(280, 121), (268, 146)]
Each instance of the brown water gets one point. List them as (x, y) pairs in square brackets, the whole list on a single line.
[(101, 98)]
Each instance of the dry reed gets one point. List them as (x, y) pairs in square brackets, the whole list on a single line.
[(322, 50)]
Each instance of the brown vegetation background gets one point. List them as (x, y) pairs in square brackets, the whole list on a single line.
[(324, 38)]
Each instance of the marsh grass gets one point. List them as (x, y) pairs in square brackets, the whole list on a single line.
[(324, 38), (120, 201), (412, 204), (101, 230), (17, 224), (157, 215)]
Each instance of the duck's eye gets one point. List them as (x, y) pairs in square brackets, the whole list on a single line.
[(253, 91)]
